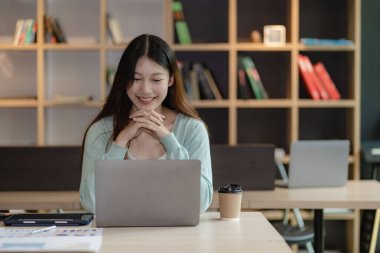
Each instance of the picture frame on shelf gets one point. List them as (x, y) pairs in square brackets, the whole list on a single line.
[(274, 35)]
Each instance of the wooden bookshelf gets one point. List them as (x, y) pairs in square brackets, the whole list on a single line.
[(219, 35)]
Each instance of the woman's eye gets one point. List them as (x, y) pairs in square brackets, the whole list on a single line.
[(157, 80), (136, 79)]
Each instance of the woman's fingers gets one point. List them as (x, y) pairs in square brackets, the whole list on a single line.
[(146, 123), (153, 116), (158, 116), (139, 113)]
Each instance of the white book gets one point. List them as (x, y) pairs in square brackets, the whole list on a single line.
[(18, 31), (115, 30)]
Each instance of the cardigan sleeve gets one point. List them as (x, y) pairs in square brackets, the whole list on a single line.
[(95, 148)]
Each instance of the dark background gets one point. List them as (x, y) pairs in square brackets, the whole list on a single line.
[(370, 71)]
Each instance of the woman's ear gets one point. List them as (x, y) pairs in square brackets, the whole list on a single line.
[(171, 80)]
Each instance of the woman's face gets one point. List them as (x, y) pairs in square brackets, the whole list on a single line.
[(150, 85)]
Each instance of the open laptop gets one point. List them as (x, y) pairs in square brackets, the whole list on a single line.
[(251, 166), (319, 163), (147, 193)]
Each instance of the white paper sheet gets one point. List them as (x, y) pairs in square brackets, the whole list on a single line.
[(60, 239)]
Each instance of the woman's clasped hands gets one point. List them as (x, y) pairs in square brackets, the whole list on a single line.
[(143, 121), (150, 120)]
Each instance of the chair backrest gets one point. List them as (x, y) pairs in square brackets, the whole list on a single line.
[(40, 168), (251, 166)]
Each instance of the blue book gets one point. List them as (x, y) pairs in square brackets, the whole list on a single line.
[(326, 42)]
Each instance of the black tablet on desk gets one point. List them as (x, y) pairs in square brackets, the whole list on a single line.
[(48, 219)]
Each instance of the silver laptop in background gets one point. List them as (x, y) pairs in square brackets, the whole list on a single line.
[(319, 163), (147, 193)]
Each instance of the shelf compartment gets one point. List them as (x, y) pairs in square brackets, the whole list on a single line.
[(18, 76), (19, 128), (79, 20), (274, 70), (216, 61), (206, 26), (137, 17), (263, 12), (324, 19), (10, 12), (340, 67), (60, 131), (64, 78), (325, 124), (269, 125)]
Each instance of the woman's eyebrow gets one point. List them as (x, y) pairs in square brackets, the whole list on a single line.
[(157, 73)]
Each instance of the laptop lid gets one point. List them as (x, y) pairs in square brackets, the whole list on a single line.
[(147, 192), (318, 163), (251, 166), (40, 168)]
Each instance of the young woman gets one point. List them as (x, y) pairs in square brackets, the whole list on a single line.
[(146, 116)]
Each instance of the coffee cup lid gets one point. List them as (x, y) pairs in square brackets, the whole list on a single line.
[(230, 188)]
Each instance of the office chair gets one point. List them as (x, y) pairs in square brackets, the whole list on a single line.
[(371, 218), (292, 234)]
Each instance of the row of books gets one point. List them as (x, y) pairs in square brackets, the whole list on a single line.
[(317, 80), (249, 80), (25, 32), (199, 81)]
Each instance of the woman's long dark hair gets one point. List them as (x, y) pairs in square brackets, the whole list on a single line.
[(118, 103)]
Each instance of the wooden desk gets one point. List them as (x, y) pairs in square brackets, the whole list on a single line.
[(40, 200), (363, 194), (252, 234)]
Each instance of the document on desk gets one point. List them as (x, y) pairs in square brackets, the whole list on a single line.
[(61, 239)]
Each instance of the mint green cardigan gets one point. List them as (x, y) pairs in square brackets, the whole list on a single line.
[(188, 140)]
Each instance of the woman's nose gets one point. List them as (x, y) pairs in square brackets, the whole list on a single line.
[(145, 87)]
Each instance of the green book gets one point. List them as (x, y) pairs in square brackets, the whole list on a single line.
[(257, 78), (251, 79), (180, 23)]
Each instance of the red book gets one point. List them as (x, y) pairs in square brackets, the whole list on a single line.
[(317, 83), (326, 80), (307, 80)]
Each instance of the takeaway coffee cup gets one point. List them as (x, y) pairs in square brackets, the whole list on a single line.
[(230, 201)]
